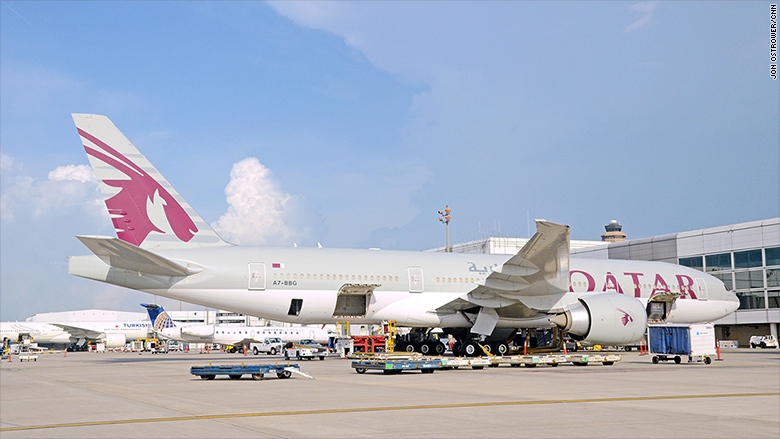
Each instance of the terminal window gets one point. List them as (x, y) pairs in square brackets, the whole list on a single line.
[(694, 262), (772, 256), (747, 259), (718, 262)]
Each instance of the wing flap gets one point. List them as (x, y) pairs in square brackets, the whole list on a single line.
[(536, 276), (120, 254)]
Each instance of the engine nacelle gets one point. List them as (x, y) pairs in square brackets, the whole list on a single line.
[(198, 331), (115, 340), (608, 318)]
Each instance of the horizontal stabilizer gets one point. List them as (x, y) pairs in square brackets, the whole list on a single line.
[(120, 254)]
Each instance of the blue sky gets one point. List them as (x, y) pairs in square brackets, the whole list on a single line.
[(359, 120)]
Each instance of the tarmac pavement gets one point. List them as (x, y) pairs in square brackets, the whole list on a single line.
[(131, 395)]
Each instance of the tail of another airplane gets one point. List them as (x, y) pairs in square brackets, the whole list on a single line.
[(159, 318), (145, 209)]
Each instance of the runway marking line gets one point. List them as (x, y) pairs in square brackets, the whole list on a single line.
[(379, 409)]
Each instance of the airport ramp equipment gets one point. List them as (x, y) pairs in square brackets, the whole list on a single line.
[(257, 371), (392, 363), (671, 342)]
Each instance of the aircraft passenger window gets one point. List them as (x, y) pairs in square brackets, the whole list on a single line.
[(359, 278), (353, 277), (327, 276), (308, 276), (396, 278), (372, 277), (274, 275), (288, 275), (322, 277), (384, 278), (295, 276), (449, 279)]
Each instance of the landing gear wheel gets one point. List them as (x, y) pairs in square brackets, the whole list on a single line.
[(486, 347), (439, 348), (409, 347), (456, 349), (425, 348), (284, 374), (677, 359), (471, 349), (501, 348)]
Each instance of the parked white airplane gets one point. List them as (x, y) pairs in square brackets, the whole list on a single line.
[(230, 335), (112, 334), (165, 248)]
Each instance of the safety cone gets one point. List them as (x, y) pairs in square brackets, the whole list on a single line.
[(564, 348)]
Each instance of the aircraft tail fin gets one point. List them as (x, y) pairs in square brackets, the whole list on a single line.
[(145, 209), (159, 318)]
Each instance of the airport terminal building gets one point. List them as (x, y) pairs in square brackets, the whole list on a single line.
[(746, 257)]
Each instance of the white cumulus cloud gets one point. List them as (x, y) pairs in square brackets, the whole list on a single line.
[(261, 212), (82, 173), (67, 188)]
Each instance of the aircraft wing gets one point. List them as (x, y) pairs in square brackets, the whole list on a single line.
[(120, 254), (537, 275), (78, 332)]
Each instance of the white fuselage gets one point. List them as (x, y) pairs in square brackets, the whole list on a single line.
[(301, 285), (230, 335), (50, 333)]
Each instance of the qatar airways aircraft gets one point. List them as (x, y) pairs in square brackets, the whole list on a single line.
[(164, 247)]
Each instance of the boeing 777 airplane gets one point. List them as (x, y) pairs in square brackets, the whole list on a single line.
[(230, 335), (164, 247)]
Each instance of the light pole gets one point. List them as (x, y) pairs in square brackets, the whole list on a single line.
[(445, 218)]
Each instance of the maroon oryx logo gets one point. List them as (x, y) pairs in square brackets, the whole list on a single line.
[(626, 319), (128, 207)]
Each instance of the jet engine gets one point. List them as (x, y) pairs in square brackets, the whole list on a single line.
[(198, 331), (608, 318), (115, 340)]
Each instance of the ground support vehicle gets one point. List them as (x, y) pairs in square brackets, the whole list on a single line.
[(396, 365), (25, 354), (766, 341), (671, 342), (308, 352), (270, 345), (369, 343), (397, 362), (257, 371)]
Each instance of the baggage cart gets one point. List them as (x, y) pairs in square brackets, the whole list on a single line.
[(672, 342)]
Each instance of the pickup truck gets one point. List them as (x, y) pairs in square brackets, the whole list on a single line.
[(271, 346)]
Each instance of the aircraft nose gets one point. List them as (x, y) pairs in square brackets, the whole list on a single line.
[(732, 302)]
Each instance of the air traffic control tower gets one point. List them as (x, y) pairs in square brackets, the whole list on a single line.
[(614, 232)]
